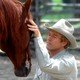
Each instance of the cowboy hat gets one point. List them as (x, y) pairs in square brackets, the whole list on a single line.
[(66, 29)]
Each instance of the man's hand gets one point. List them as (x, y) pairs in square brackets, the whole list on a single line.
[(34, 28)]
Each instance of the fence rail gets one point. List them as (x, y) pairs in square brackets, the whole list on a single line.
[(63, 4)]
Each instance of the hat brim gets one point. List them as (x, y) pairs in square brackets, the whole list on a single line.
[(68, 35)]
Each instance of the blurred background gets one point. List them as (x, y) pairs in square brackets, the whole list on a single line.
[(46, 11)]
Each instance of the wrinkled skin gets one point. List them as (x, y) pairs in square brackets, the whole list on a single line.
[(14, 34)]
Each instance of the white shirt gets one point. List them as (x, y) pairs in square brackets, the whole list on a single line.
[(63, 66)]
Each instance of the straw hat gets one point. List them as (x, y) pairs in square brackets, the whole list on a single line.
[(65, 28)]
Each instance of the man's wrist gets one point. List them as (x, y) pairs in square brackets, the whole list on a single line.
[(37, 34)]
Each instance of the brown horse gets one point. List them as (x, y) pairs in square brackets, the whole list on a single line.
[(14, 34)]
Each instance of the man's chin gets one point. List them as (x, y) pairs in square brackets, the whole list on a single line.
[(49, 48)]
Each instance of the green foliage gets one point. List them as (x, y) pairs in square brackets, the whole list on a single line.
[(57, 8), (57, 1)]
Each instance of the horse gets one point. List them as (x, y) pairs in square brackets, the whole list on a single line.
[(14, 34)]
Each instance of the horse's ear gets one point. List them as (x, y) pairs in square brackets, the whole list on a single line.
[(27, 5), (25, 11)]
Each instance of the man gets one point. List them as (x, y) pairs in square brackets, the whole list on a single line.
[(55, 62)]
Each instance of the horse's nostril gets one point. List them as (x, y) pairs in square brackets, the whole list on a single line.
[(22, 72)]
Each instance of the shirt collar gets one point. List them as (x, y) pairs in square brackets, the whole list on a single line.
[(60, 54)]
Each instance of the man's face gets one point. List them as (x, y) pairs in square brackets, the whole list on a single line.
[(54, 41)]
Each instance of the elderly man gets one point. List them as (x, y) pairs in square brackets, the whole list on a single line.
[(55, 62)]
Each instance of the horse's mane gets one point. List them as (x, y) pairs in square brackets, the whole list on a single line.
[(14, 38), (10, 11)]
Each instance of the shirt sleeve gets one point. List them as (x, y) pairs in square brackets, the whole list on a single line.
[(54, 67)]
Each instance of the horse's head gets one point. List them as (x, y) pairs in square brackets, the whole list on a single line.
[(14, 34)]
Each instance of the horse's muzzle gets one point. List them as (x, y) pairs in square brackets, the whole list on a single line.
[(22, 72)]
